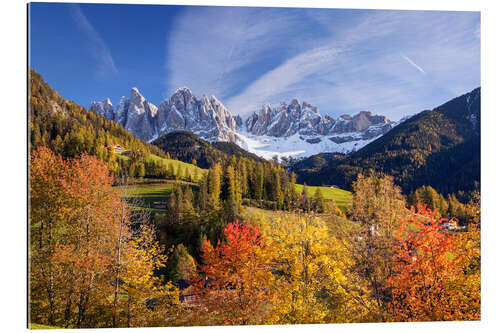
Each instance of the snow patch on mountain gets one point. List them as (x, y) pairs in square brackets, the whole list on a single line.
[(295, 129), (298, 145)]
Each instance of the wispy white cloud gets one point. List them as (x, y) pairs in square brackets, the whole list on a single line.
[(99, 48), (411, 62), (281, 79), (341, 61), (208, 43)]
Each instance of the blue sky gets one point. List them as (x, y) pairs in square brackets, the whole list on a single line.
[(393, 63)]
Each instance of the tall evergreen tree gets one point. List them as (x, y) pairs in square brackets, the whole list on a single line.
[(319, 201), (214, 186), (232, 198), (203, 194), (304, 198)]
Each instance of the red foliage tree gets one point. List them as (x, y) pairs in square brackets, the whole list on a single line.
[(428, 268), (234, 286)]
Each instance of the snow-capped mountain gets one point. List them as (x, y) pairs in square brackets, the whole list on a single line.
[(206, 117), (305, 119), (104, 108), (298, 129), (294, 129)]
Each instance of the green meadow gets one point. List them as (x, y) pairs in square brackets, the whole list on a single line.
[(342, 197)]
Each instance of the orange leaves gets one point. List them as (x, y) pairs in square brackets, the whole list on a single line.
[(235, 286), (428, 266), (73, 228)]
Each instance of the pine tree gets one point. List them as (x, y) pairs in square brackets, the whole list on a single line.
[(305, 202), (141, 170), (180, 172), (319, 201), (203, 194), (171, 171), (181, 265), (196, 175), (278, 192), (259, 183), (292, 190), (188, 201), (214, 186), (180, 208), (230, 195), (132, 170), (243, 172)]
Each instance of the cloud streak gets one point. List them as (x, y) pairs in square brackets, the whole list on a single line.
[(411, 62), (209, 45), (342, 61), (98, 49), (281, 80)]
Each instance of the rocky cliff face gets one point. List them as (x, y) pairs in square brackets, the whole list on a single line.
[(304, 119), (206, 117), (141, 116), (104, 108)]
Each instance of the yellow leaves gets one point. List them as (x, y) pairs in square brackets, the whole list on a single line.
[(306, 254), (143, 256), (83, 252)]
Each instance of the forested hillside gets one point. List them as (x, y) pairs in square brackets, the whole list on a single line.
[(315, 162), (70, 129), (187, 147), (440, 148)]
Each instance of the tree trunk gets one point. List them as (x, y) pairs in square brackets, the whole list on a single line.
[(67, 311)]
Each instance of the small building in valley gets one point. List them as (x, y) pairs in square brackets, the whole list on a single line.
[(160, 204)]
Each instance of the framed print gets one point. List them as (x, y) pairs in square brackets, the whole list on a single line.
[(224, 165)]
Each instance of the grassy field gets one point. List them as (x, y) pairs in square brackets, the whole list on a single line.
[(159, 191), (147, 194), (191, 167), (34, 326), (176, 164), (342, 197)]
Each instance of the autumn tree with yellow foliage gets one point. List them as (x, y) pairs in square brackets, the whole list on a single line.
[(313, 265), (83, 251)]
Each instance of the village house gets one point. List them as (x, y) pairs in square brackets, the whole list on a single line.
[(160, 204)]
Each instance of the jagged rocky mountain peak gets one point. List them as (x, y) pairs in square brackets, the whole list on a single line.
[(104, 108), (184, 91), (239, 121), (208, 118), (305, 119), (135, 95)]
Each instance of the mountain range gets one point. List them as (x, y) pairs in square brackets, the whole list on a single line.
[(438, 147), (290, 129), (206, 117)]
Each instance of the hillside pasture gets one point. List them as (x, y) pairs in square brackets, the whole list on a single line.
[(342, 198), (144, 195), (182, 165), (177, 165)]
